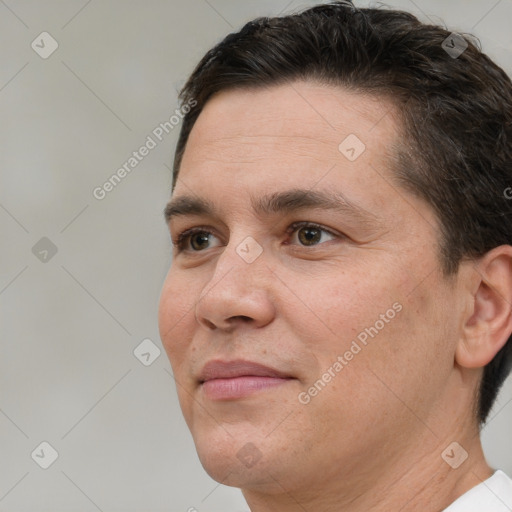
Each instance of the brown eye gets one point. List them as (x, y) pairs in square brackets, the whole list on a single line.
[(199, 241), (309, 234), (194, 240)]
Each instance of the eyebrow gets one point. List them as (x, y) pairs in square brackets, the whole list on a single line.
[(278, 202)]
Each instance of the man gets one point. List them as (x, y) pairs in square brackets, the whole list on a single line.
[(338, 310)]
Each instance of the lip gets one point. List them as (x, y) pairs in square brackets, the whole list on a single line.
[(229, 380)]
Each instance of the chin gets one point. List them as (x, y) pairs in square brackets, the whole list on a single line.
[(223, 466), (233, 460)]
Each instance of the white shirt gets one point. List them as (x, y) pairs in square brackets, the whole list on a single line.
[(492, 495)]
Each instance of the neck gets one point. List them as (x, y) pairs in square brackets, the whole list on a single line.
[(417, 479)]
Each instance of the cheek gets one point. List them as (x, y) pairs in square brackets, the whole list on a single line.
[(348, 301), (411, 357), (176, 316), (370, 316)]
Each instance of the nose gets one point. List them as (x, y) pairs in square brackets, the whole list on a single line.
[(238, 293)]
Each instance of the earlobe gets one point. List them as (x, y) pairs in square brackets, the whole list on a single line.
[(489, 323)]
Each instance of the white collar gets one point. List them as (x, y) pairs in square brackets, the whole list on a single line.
[(492, 495)]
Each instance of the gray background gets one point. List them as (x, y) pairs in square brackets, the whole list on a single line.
[(70, 324)]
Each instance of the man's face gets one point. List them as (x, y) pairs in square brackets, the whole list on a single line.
[(351, 314)]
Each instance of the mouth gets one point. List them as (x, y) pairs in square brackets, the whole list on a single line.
[(231, 380)]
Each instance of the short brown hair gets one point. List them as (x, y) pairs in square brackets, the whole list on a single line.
[(456, 149)]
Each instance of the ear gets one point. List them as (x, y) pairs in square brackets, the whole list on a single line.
[(488, 323)]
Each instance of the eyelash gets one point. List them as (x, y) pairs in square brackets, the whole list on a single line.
[(182, 238)]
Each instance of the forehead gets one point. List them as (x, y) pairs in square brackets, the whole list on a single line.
[(249, 146), (301, 133), (300, 113)]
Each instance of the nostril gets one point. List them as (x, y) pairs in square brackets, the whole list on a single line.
[(227, 325), (209, 324), (243, 318)]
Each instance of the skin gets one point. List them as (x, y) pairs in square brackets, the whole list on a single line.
[(372, 438)]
